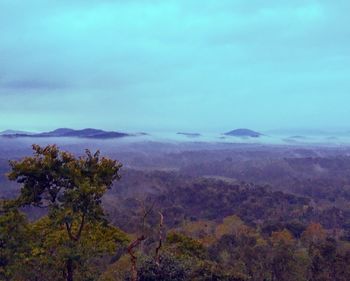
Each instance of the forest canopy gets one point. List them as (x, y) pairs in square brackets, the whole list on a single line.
[(93, 224)]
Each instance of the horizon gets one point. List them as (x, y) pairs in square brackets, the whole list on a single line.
[(174, 65), (276, 131)]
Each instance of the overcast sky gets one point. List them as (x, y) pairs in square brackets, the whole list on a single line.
[(174, 65)]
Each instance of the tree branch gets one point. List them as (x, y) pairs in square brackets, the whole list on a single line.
[(157, 256), (81, 226), (138, 242), (69, 230), (160, 243), (145, 214), (131, 248), (82, 223)]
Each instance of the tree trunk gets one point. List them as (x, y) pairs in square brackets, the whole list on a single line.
[(69, 266)]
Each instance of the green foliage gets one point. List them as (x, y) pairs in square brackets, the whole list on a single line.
[(185, 246), (66, 184), (216, 230), (51, 247), (13, 234), (170, 269), (210, 271), (75, 234)]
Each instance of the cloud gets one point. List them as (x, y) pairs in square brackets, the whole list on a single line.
[(145, 60), (32, 85)]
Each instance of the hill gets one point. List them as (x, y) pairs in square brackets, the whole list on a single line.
[(243, 133), (66, 132), (14, 132)]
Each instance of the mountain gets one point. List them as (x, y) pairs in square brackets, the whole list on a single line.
[(15, 132), (243, 133), (66, 132)]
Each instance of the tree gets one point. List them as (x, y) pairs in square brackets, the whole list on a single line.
[(71, 189), (314, 233), (170, 269), (50, 247), (283, 265), (13, 229), (230, 225)]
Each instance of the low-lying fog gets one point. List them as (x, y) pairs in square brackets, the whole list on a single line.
[(173, 142)]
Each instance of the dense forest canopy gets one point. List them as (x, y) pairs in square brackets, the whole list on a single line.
[(215, 218)]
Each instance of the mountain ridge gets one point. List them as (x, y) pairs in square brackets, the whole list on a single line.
[(67, 132), (243, 133), (12, 132)]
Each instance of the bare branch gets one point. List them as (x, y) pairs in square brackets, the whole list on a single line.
[(138, 241), (82, 223), (157, 256), (131, 248), (81, 226), (146, 212), (69, 231)]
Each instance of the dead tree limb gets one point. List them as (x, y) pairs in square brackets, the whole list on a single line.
[(138, 242), (145, 213), (131, 252), (160, 233)]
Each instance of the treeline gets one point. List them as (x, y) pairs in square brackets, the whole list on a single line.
[(201, 250), (190, 199), (232, 251)]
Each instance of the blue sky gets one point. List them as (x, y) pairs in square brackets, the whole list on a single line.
[(174, 65)]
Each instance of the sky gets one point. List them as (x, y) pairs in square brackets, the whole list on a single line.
[(189, 65)]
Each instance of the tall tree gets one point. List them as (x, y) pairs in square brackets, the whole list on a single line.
[(70, 187)]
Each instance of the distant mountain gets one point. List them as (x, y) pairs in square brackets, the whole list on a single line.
[(14, 132), (66, 132), (190, 135), (243, 133)]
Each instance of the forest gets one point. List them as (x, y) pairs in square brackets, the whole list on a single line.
[(230, 214), (174, 140)]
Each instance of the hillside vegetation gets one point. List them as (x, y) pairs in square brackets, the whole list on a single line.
[(196, 215)]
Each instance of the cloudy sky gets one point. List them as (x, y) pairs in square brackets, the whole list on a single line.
[(174, 64)]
